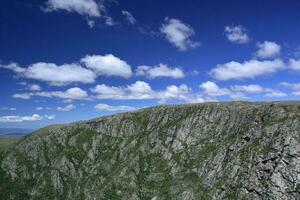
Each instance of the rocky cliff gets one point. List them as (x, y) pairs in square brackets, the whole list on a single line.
[(198, 151)]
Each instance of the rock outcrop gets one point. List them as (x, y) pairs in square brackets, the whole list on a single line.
[(198, 151)]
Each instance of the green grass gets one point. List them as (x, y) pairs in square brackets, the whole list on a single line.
[(7, 142)]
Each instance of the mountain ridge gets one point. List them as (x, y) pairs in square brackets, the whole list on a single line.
[(233, 150)]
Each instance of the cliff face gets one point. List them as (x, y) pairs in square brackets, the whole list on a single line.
[(197, 151)]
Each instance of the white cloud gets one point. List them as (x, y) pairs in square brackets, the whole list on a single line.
[(72, 93), (137, 90), (8, 108), (236, 34), (293, 86), (109, 21), (211, 89), (294, 64), (107, 65), (106, 107), (248, 88), (179, 34), (39, 108), (17, 118), (246, 70), (22, 96), (141, 91), (181, 92), (268, 49), (50, 117), (91, 23), (296, 93), (59, 75), (88, 8), (14, 67), (66, 108), (34, 87), (129, 17), (84, 72), (54, 74), (274, 93), (161, 70)]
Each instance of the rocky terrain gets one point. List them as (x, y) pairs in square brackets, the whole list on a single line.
[(234, 150)]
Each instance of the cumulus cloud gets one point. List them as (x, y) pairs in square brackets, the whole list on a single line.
[(66, 108), (106, 107), (236, 34), (212, 90), (85, 72), (88, 8), (54, 74), (137, 90), (34, 87), (257, 89), (294, 64), (72, 93), (141, 90), (17, 118), (59, 75), (179, 34), (129, 17), (268, 49), (161, 70), (108, 65), (246, 70), (181, 92)]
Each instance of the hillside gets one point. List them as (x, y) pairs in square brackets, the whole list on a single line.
[(197, 151)]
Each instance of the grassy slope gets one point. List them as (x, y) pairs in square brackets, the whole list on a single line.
[(7, 142)]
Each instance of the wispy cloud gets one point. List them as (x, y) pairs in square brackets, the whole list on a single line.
[(17, 118), (106, 107), (8, 108), (129, 17), (66, 108), (72, 93)]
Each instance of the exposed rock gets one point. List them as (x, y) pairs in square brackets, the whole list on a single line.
[(197, 151)]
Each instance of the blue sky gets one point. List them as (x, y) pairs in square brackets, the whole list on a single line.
[(64, 60)]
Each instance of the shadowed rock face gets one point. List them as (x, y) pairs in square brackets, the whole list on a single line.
[(198, 151)]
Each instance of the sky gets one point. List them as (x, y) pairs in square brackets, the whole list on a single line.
[(66, 60)]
